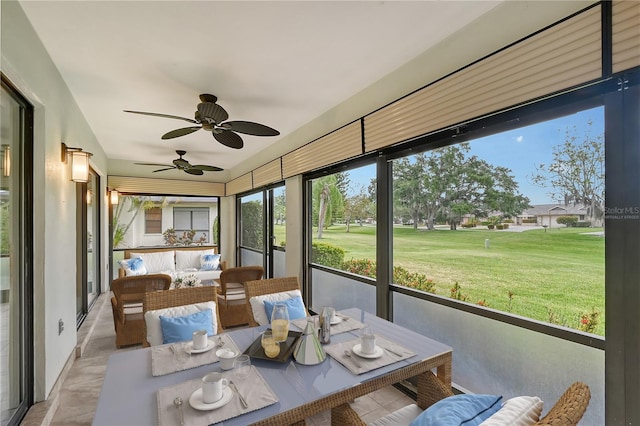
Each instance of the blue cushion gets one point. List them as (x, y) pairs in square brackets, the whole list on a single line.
[(209, 262), (295, 306), (180, 329), (134, 266), (459, 410)]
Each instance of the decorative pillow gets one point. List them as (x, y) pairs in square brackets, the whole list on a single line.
[(152, 319), (157, 261), (209, 262), (180, 329), (459, 410), (295, 306), (518, 411), (187, 259), (133, 267), (257, 304)]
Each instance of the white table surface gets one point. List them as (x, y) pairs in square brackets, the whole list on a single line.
[(128, 395)]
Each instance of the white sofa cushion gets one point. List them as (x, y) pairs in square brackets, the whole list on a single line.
[(518, 411), (189, 259), (152, 319), (257, 304), (401, 417), (158, 261)]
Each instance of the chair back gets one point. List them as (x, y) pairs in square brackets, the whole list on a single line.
[(239, 275), (569, 408), (130, 290), (268, 286), (178, 297)]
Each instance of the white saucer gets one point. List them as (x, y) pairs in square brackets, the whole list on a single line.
[(195, 400), (376, 354), (189, 348), (335, 320)]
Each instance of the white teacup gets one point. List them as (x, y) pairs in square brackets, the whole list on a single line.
[(367, 341), (199, 339), (213, 384), (226, 357)]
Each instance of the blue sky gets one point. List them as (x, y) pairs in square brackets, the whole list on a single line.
[(520, 150)]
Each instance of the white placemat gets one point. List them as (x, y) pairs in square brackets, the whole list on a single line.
[(391, 352), (346, 324), (164, 362), (254, 389)]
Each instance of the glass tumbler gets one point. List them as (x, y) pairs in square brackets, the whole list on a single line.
[(280, 322)]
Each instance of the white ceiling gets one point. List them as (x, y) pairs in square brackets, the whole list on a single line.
[(282, 64)]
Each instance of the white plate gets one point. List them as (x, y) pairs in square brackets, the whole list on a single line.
[(189, 348), (195, 400), (335, 320), (376, 354)]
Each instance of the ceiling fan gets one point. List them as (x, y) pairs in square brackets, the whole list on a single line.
[(182, 164), (210, 116)]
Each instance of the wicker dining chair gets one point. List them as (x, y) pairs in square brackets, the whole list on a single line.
[(567, 411), (126, 305), (267, 286), (231, 296), (178, 297)]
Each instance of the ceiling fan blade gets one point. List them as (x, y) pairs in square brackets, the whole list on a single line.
[(180, 132), (154, 164), (213, 111), (194, 171), (207, 168), (250, 128), (205, 97), (162, 170), (230, 139), (154, 114)]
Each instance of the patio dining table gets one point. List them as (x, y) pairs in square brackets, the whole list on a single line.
[(129, 391)]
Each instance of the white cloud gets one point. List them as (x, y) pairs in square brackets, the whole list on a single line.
[(519, 139)]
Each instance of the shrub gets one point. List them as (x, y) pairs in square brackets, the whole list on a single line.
[(589, 321), (507, 221), (570, 221), (485, 223), (413, 279), (490, 226), (583, 224), (456, 292), (505, 226), (532, 220), (467, 225), (401, 276), (327, 255), (363, 267), (500, 226)]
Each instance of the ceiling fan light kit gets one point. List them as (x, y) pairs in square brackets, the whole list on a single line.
[(210, 116)]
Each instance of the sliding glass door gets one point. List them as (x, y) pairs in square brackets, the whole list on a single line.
[(16, 288), (261, 230)]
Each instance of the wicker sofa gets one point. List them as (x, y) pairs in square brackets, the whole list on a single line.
[(174, 261)]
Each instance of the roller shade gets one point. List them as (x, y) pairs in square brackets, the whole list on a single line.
[(269, 173), (137, 185), (560, 57), (626, 35), (340, 145), (240, 184)]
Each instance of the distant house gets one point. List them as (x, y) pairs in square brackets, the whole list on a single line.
[(547, 214)]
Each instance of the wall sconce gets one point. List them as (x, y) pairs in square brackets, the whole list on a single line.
[(114, 197), (79, 162), (6, 160)]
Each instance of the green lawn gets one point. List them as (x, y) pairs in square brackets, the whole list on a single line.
[(554, 276)]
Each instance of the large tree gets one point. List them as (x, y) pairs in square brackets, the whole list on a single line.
[(328, 203), (358, 208), (448, 183), (576, 174)]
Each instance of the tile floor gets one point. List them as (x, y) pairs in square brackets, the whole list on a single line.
[(80, 390)]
